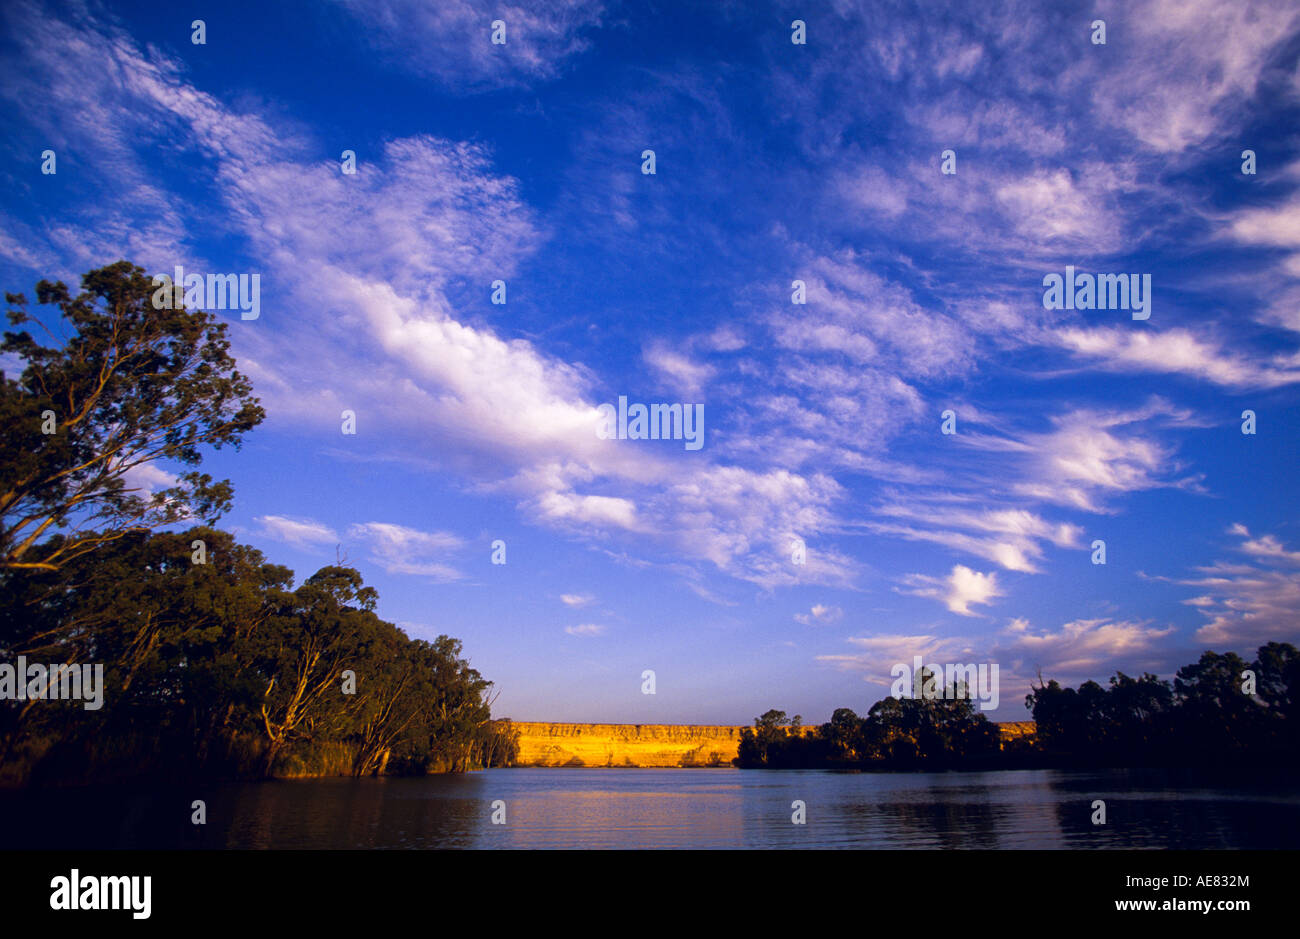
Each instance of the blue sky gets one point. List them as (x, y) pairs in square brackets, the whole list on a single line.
[(774, 162)]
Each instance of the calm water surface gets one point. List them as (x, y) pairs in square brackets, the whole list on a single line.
[(664, 808)]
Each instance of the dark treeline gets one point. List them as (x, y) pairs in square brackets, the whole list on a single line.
[(1222, 710), (224, 668), (897, 733), (213, 662), (1219, 711)]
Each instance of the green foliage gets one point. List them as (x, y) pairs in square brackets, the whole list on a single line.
[(214, 668), (223, 668), (127, 385), (932, 732)]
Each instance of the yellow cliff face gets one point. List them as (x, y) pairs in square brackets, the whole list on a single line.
[(626, 744), (1011, 731), (644, 745)]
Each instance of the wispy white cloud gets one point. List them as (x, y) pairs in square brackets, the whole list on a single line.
[(1085, 648), (451, 40), (677, 369), (396, 548), (402, 550), (961, 589), (1012, 538), (1090, 456), (820, 614), (387, 247), (1187, 66), (1078, 651), (744, 522), (878, 654), (1247, 604), (1086, 460), (149, 477), (303, 533), (1176, 351), (1274, 225), (854, 312), (816, 396)]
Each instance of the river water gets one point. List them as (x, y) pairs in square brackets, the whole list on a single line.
[(667, 808)]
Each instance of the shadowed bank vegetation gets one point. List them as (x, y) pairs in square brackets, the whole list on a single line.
[(213, 662), (223, 668), (1219, 711)]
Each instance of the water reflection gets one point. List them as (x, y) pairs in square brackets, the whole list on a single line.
[(584, 808)]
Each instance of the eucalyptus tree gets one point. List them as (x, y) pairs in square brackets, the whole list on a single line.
[(115, 385)]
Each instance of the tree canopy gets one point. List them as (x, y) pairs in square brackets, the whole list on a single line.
[(124, 385), (213, 661)]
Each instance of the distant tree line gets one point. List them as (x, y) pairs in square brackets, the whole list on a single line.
[(1221, 710), (897, 733), (213, 662)]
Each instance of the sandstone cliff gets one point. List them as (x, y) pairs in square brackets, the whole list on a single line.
[(542, 744), (647, 745), (1012, 731)]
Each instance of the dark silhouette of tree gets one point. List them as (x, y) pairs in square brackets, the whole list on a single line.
[(938, 731), (1137, 715), (1277, 671), (1213, 705), (843, 736), (1207, 716)]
